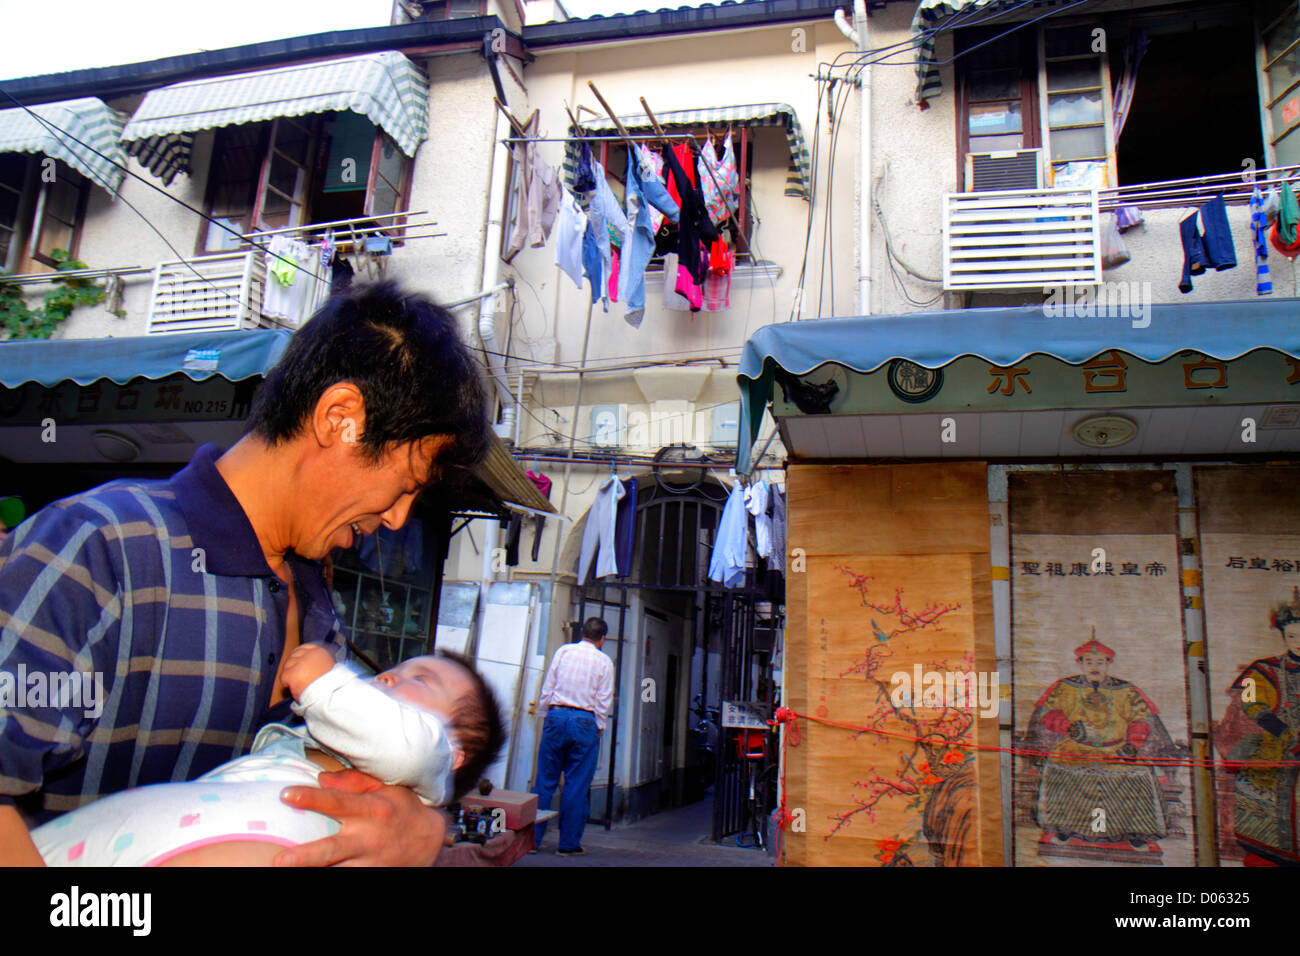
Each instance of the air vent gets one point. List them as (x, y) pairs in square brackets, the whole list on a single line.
[(1012, 169)]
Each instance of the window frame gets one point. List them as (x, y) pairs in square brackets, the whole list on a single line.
[(1267, 99), (1107, 100), (317, 146), (744, 253), (1031, 128), (30, 220)]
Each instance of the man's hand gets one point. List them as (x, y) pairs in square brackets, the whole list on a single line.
[(305, 663), (382, 826), (16, 846)]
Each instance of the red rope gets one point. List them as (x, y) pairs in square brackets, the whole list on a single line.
[(785, 715)]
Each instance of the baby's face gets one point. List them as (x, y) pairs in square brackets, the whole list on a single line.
[(434, 684)]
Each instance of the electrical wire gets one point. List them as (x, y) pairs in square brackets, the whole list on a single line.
[(59, 133)]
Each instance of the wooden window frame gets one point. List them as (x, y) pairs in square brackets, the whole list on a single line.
[(1107, 101), (1030, 124), (1267, 98), (317, 144), (743, 250), (30, 222)]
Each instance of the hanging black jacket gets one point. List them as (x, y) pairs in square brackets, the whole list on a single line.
[(695, 225)]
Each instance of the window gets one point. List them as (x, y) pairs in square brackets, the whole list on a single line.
[(1196, 104), (613, 156), (1280, 31), (294, 171), (997, 94), (42, 206), (1053, 85), (1075, 99)]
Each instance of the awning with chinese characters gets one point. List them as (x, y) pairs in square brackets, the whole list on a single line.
[(1085, 360)]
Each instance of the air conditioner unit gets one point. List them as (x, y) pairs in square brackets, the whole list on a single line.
[(1009, 169)]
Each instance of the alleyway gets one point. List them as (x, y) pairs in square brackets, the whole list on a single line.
[(672, 838)]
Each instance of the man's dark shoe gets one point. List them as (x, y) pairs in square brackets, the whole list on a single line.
[(578, 852)]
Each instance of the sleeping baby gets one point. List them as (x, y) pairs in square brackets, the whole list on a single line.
[(430, 724)]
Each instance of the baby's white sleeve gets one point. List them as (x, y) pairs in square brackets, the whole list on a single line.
[(378, 734)]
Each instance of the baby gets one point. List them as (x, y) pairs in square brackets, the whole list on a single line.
[(430, 723)]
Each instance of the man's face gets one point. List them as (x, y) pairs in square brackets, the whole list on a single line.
[(355, 496), (1095, 667)]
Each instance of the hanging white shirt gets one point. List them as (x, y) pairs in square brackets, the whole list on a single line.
[(570, 226), (756, 504), (729, 545)]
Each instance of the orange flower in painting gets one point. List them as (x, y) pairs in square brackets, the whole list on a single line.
[(923, 767), (888, 849), (930, 780), (953, 756)]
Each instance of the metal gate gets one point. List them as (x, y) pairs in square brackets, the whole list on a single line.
[(675, 530)]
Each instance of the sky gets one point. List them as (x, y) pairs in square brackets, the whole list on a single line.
[(52, 36)]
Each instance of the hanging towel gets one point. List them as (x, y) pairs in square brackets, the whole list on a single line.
[(1288, 214), (1259, 231), (600, 533), (777, 561), (624, 528), (727, 566), (570, 228), (288, 288), (720, 181)]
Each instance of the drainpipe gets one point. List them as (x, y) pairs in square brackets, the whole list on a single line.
[(492, 257), (864, 163), (486, 316)]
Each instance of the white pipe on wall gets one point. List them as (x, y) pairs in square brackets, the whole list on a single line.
[(491, 271), (864, 163)]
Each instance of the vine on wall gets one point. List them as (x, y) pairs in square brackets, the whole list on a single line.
[(24, 322)]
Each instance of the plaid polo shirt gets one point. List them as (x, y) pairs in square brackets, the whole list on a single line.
[(161, 589)]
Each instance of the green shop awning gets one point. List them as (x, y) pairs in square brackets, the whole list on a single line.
[(798, 180), (385, 87), (234, 356), (1003, 337), (83, 133)]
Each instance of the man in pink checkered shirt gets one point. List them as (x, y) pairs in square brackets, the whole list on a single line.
[(577, 697)]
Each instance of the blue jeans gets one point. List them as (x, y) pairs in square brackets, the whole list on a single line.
[(570, 743)]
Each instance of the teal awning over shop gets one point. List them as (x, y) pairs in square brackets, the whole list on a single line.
[(200, 355), (1220, 330)]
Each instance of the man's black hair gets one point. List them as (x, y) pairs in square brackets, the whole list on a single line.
[(594, 628), (405, 355), (479, 728)]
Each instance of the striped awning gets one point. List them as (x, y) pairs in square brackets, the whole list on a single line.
[(932, 18), (385, 87), (798, 181), (83, 133)]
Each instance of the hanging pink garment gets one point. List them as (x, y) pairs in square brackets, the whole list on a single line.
[(613, 274)]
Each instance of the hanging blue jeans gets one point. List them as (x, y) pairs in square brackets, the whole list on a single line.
[(593, 267), (570, 744), (639, 244), (1212, 248)]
